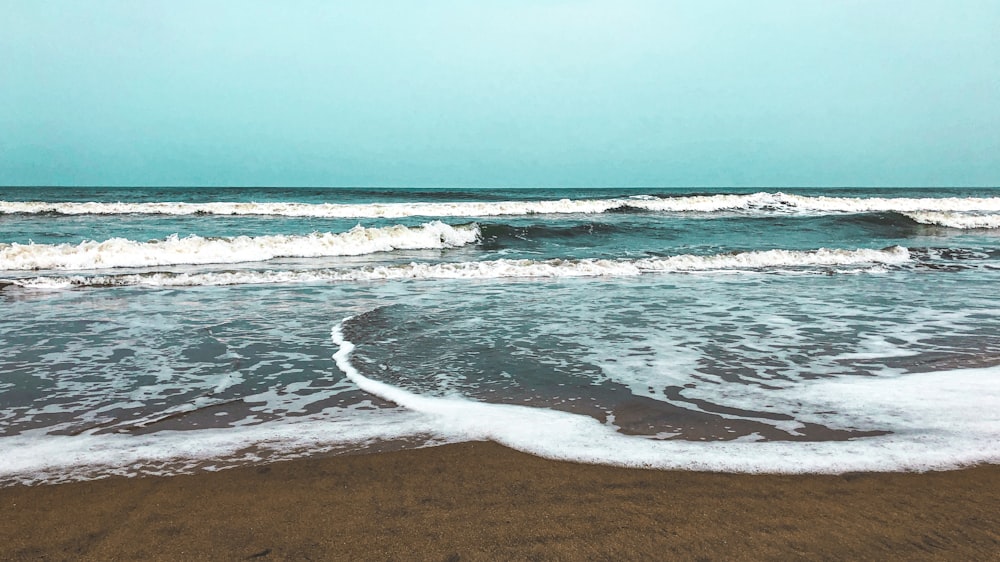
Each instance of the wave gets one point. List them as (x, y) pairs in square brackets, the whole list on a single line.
[(761, 201), (320, 210), (196, 250), (492, 269), (949, 219)]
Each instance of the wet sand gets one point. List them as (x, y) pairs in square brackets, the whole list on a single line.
[(481, 501)]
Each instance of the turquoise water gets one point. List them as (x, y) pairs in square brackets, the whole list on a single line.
[(170, 330)]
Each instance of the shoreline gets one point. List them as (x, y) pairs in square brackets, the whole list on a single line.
[(480, 500)]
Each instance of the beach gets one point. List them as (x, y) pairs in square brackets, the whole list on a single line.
[(294, 374), (462, 281), (481, 501)]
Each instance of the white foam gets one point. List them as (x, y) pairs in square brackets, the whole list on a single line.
[(326, 210), (956, 220), (777, 258), (695, 203), (494, 269), (938, 421), (120, 252), (890, 204), (34, 457)]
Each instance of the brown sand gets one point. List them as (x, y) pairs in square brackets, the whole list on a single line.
[(480, 501)]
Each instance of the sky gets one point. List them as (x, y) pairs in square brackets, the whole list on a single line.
[(513, 93)]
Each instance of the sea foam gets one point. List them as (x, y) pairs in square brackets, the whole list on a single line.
[(36, 458), (936, 421)]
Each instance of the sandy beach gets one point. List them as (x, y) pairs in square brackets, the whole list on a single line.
[(481, 501)]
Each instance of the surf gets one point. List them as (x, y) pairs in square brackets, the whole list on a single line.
[(761, 202), (197, 250), (769, 260)]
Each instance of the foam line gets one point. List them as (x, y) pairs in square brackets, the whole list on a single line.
[(492, 269), (33, 458), (939, 421)]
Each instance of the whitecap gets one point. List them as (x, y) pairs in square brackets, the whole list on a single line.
[(193, 249), (496, 269)]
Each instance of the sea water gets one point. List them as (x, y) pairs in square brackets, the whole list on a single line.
[(166, 330)]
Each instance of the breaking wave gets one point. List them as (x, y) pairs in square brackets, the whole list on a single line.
[(950, 219), (195, 250), (492, 269), (762, 201)]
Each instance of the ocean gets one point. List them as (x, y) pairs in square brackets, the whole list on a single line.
[(158, 331)]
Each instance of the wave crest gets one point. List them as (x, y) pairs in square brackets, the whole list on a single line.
[(494, 269), (761, 201), (963, 221), (196, 250)]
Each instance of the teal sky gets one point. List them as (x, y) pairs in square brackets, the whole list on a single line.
[(771, 93)]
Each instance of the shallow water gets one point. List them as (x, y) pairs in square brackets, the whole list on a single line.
[(804, 331)]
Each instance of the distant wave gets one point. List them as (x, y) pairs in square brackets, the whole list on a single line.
[(195, 250), (493, 269), (762, 201), (322, 210)]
